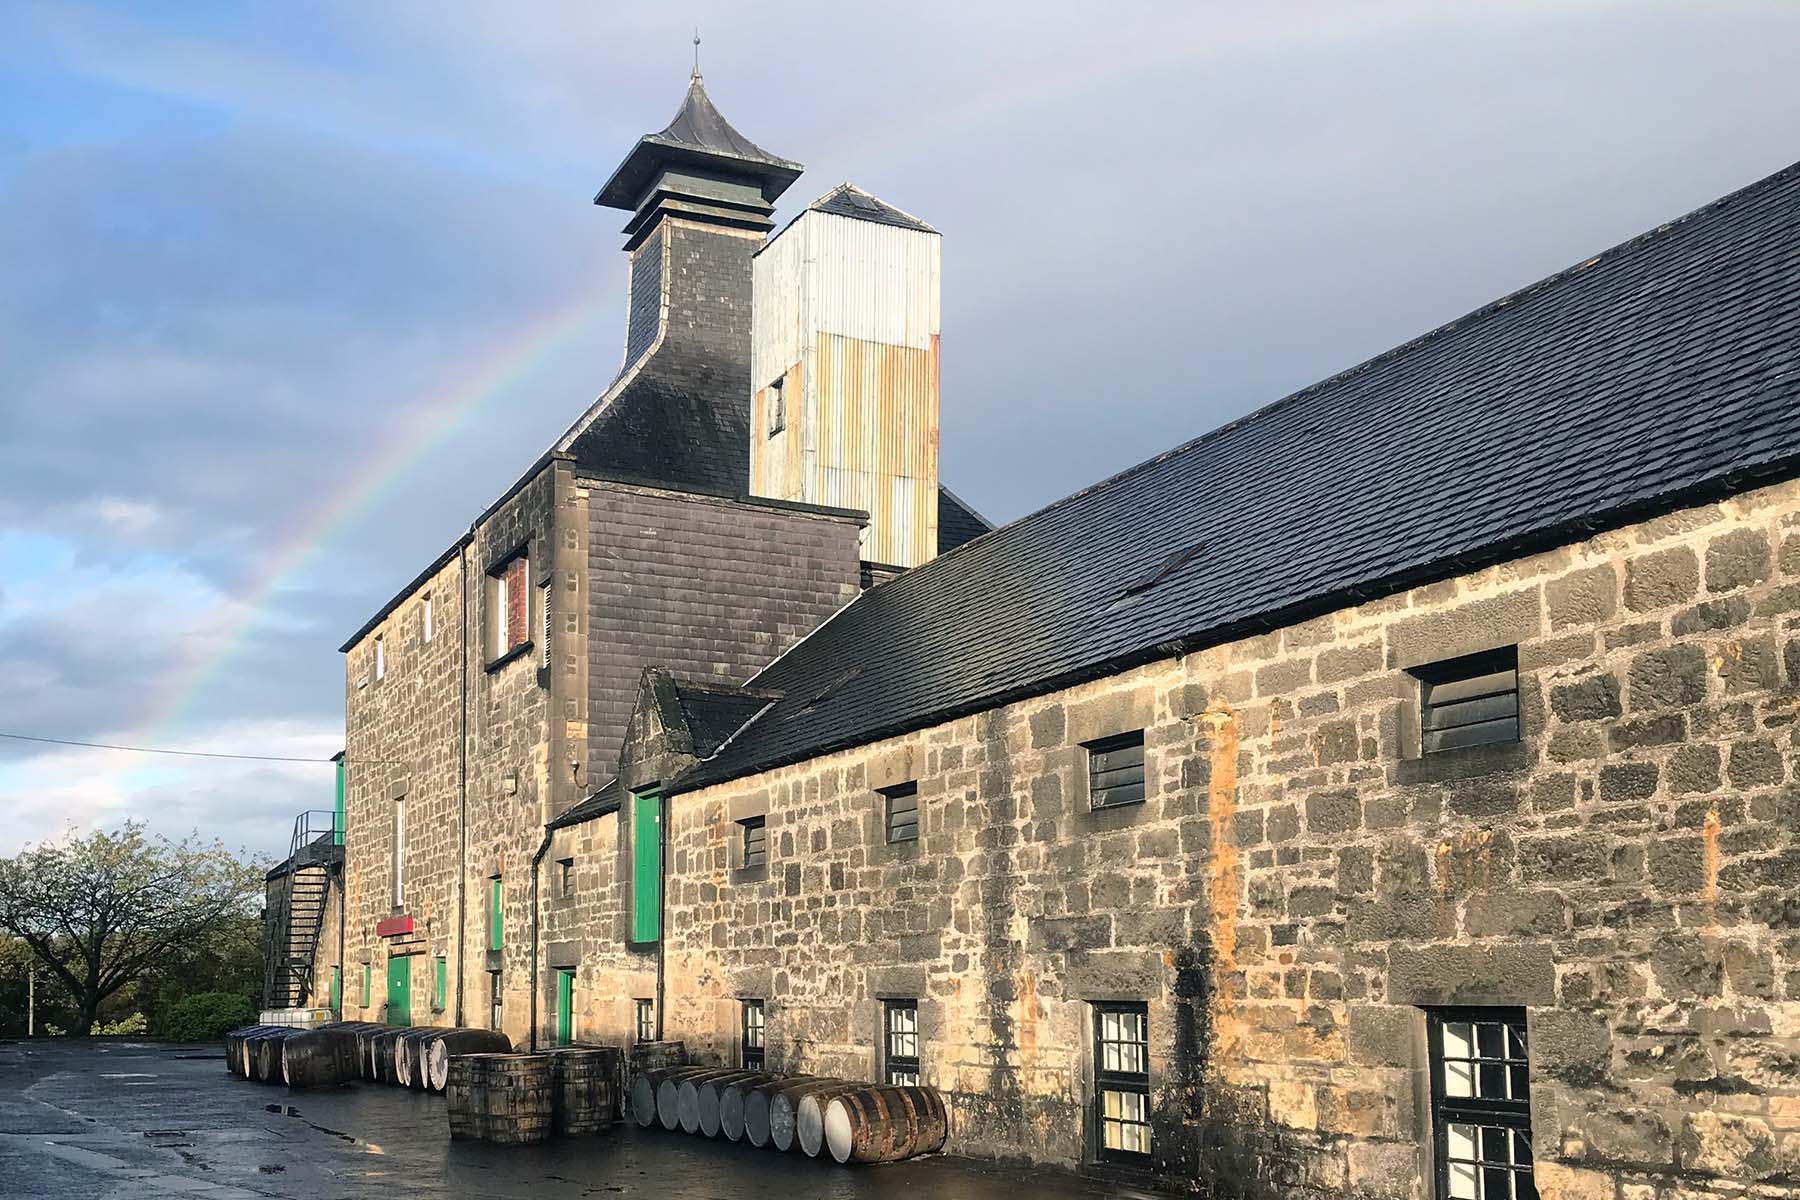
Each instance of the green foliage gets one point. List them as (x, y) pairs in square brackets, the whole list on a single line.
[(103, 912), (125, 1027), (205, 1017)]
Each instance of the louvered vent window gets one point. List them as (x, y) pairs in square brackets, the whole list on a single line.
[(756, 841), (544, 612), (1469, 701), (902, 812), (1116, 770)]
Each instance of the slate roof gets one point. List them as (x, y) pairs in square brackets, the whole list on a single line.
[(1660, 373), (699, 132), (607, 799), (848, 200), (957, 522), (715, 713)]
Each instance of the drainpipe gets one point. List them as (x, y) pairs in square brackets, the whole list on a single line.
[(462, 783), (536, 860)]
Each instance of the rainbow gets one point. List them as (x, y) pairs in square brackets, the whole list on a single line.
[(481, 382)]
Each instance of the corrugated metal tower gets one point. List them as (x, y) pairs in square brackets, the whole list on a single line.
[(844, 366)]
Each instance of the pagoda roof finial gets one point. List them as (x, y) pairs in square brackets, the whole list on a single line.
[(696, 54)]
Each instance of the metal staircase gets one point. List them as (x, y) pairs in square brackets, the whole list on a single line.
[(296, 892)]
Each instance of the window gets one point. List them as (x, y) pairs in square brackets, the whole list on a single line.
[(425, 627), (777, 407), (496, 931), (544, 622), (752, 1034), (495, 1000), (1481, 1104), (380, 658), (1116, 770), (646, 1020), (1122, 1081), (755, 841), (399, 851), (900, 1042), (440, 983), (902, 819), (1469, 701), (508, 595), (565, 877)]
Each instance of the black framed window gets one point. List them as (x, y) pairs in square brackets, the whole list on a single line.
[(902, 812), (565, 877), (900, 1042), (1481, 1104), (1122, 1082), (755, 841), (646, 1020), (496, 1002), (1116, 770), (751, 1034), (1469, 701)]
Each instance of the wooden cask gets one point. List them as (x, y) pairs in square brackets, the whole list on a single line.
[(644, 1086), (583, 1099), (884, 1124), (450, 1042), (320, 1058), (731, 1105), (668, 1093), (809, 1116), (756, 1105), (784, 1110), (693, 1097), (517, 1098)]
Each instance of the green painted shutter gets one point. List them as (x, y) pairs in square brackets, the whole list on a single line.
[(399, 991), (646, 872), (337, 832), (495, 929), (337, 991), (565, 1007), (368, 992), (442, 989)]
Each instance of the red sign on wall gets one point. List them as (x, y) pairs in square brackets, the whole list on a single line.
[(393, 925)]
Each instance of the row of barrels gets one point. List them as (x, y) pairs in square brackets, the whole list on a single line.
[(852, 1122), (411, 1057), (521, 1099)]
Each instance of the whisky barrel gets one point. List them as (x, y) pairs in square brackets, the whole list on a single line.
[(884, 1124), (265, 1049), (656, 1056), (695, 1097), (668, 1093), (381, 1055), (582, 1099), (756, 1106), (643, 1092), (409, 1057), (809, 1116), (365, 1047), (731, 1105), (451, 1042), (784, 1110), (234, 1048), (319, 1058), (504, 1098)]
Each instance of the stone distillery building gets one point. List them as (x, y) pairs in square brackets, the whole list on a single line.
[(1391, 793)]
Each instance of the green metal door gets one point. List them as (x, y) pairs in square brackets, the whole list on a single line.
[(646, 866), (399, 1001), (565, 1007), (337, 992)]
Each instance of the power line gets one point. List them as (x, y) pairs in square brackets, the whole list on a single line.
[(26, 737)]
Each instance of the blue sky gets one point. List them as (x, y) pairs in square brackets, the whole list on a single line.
[(250, 248)]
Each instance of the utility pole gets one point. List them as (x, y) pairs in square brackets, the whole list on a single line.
[(31, 999)]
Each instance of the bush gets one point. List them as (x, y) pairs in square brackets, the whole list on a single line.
[(204, 1016), (125, 1027)]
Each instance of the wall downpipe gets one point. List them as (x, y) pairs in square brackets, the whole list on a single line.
[(536, 862)]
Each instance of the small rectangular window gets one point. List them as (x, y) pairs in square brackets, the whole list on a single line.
[(440, 989), (902, 816), (777, 405), (380, 658), (425, 626), (400, 852), (1481, 1104), (900, 1042), (565, 877), (1469, 701), (544, 624), (752, 1035), (1116, 770), (509, 594), (1122, 1081), (755, 841), (495, 1000), (646, 1020)]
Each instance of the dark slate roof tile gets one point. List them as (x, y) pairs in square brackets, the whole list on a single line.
[(1660, 373)]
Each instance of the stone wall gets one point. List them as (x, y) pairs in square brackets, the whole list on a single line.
[(1299, 883)]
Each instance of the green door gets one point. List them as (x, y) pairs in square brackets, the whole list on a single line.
[(399, 1001), (646, 866), (565, 1007), (337, 992)]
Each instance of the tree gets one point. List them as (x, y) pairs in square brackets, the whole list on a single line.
[(99, 911)]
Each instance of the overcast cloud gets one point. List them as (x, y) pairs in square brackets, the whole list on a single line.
[(249, 255)]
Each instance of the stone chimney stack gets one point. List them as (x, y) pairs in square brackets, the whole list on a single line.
[(844, 367)]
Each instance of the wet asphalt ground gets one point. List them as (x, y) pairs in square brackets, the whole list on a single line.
[(108, 1120)]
